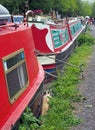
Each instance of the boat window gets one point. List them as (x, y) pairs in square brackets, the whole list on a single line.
[(74, 29), (17, 19), (16, 74), (66, 36)]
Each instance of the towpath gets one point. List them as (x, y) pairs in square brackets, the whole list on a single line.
[(86, 109)]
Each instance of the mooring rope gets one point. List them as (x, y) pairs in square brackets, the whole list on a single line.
[(73, 65), (55, 76), (64, 62), (80, 66)]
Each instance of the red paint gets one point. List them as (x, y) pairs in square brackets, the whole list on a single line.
[(49, 66), (11, 40), (39, 39)]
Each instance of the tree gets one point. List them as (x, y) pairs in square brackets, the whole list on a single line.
[(14, 6), (86, 9), (93, 10), (65, 7), (46, 5), (79, 8)]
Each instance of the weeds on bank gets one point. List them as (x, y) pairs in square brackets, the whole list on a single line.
[(64, 92), (28, 121)]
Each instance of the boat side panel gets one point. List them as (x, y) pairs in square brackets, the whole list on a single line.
[(60, 37), (75, 28), (42, 39), (10, 43)]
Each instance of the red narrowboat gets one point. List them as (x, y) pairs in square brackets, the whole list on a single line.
[(21, 76), (55, 42)]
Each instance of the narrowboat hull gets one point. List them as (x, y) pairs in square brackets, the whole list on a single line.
[(21, 74)]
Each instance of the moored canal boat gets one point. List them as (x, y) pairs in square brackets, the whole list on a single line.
[(21, 75), (55, 42)]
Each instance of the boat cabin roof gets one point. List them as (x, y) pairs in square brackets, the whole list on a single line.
[(12, 28)]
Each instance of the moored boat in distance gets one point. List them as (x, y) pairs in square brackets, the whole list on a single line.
[(55, 41), (22, 76)]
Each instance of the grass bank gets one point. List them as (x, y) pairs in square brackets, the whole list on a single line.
[(65, 92)]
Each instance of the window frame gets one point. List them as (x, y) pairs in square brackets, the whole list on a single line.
[(22, 88)]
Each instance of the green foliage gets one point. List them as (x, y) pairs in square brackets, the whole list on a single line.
[(28, 121), (93, 10), (14, 6), (65, 91), (65, 7), (86, 9), (79, 9), (86, 38), (45, 6)]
